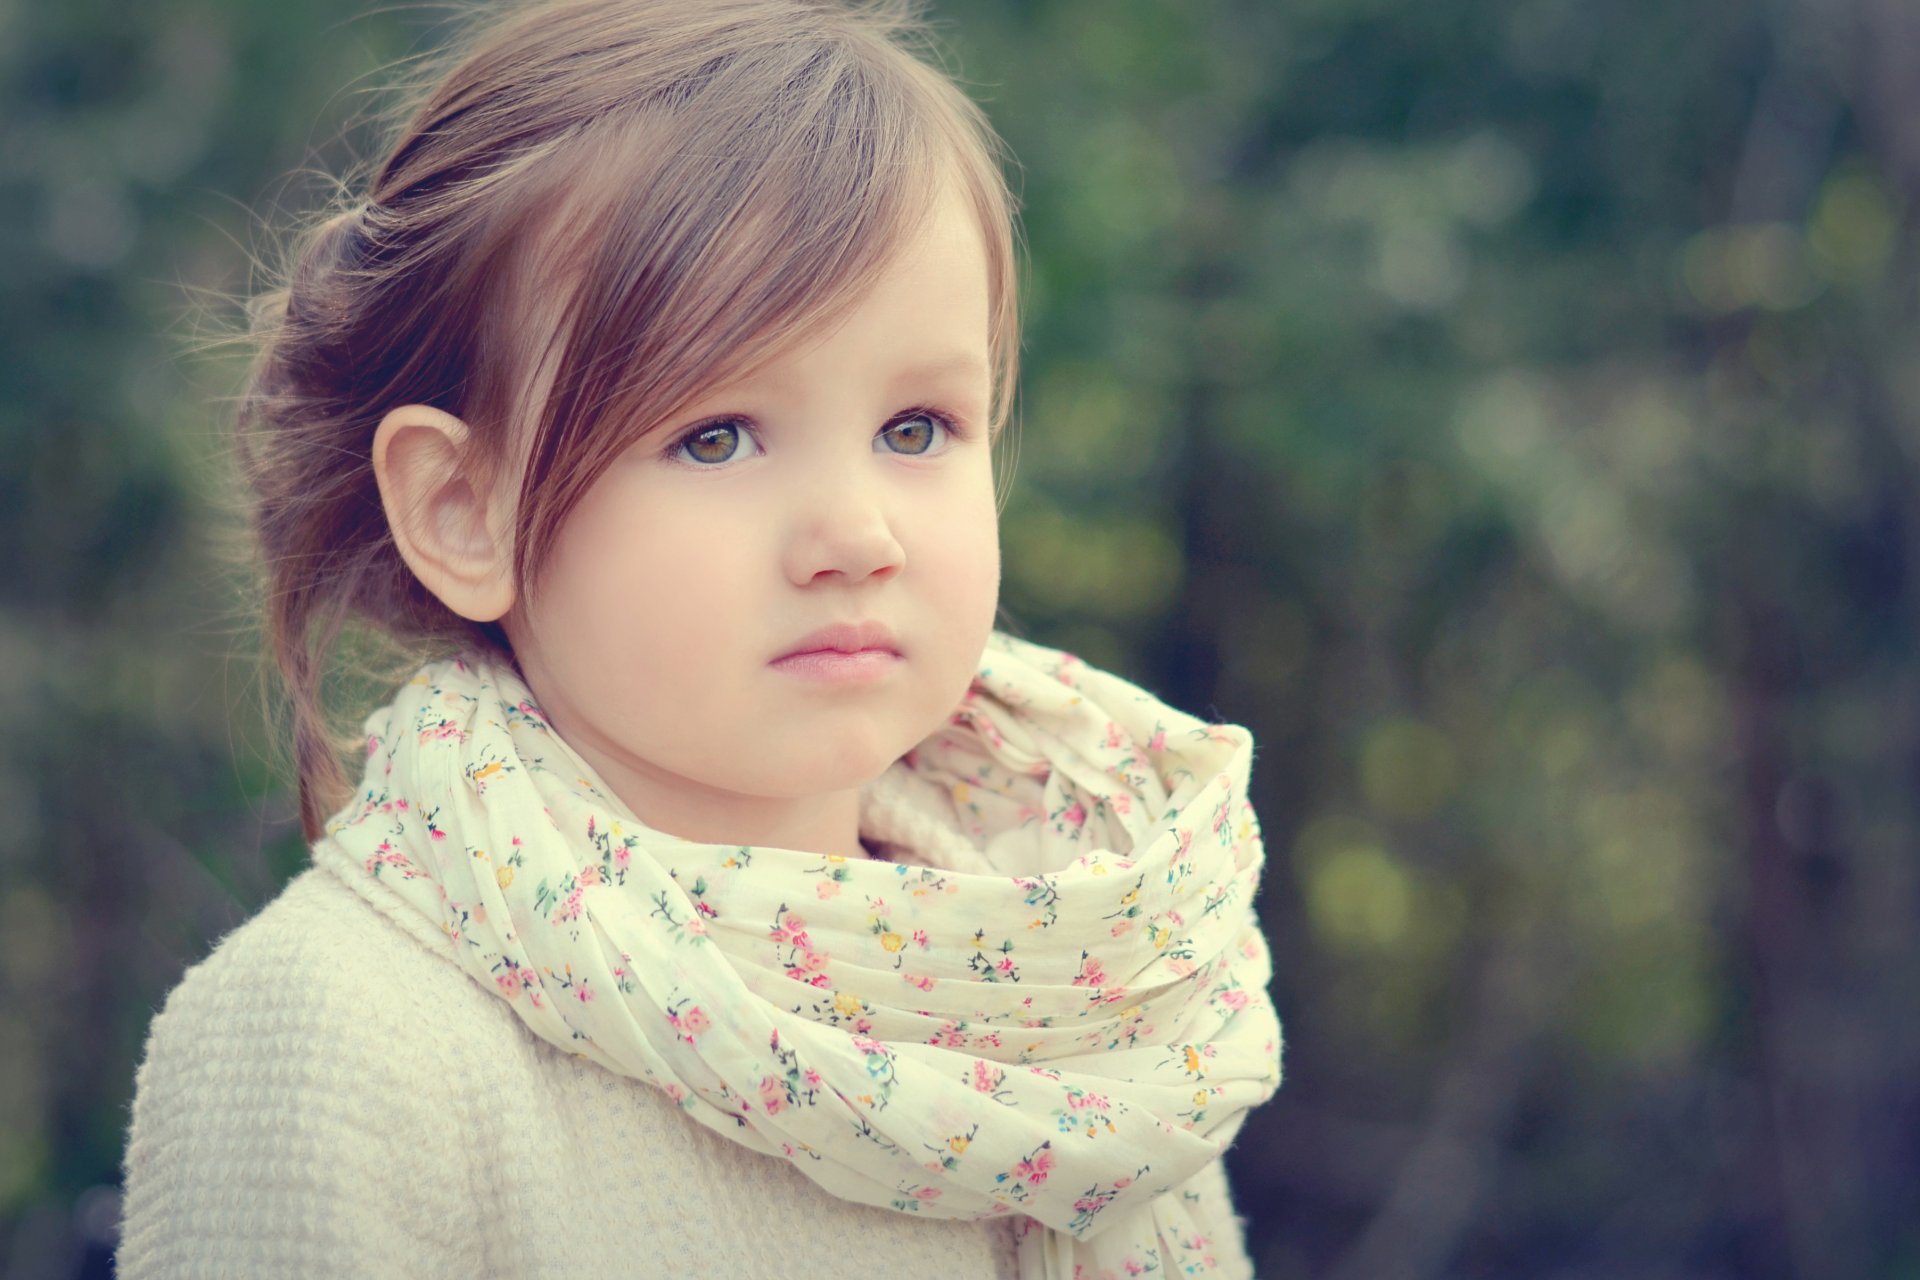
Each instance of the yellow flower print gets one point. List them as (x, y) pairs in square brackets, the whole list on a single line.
[(961, 791), (892, 941), (958, 1144), (848, 1003), (504, 875), (1133, 896)]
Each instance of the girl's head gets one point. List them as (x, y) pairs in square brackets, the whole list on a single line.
[(668, 332)]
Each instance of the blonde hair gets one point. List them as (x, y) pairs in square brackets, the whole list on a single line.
[(633, 200)]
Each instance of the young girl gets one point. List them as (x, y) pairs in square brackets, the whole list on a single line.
[(729, 898)]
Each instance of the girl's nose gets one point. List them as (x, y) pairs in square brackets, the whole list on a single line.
[(843, 526)]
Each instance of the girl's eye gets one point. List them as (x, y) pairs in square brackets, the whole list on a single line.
[(715, 443), (917, 431)]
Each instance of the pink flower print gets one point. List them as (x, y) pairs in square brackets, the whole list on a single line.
[(1115, 739), (583, 992), (920, 936), (697, 927), (1035, 1171), (986, 1077), (694, 1021), (387, 856), (509, 985), (827, 889), (589, 876), (622, 858), (373, 743), (813, 1078), (1158, 742), (814, 961), (1091, 974), (920, 980), (1076, 816), (927, 1193), (1234, 999), (772, 1096), (1005, 965)]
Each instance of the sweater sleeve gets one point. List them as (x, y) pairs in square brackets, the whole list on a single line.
[(285, 1122)]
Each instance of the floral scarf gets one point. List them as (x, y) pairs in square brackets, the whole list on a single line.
[(1068, 1028)]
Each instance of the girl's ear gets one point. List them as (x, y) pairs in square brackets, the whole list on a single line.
[(454, 533)]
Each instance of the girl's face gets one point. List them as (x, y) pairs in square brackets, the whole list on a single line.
[(847, 481)]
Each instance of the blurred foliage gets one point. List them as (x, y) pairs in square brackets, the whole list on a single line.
[(1510, 409)]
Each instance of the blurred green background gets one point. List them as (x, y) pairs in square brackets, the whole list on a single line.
[(1509, 409)]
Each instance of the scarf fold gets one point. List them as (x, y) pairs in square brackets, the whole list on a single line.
[(1058, 1012)]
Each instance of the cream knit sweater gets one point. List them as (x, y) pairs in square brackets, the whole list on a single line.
[(327, 1094)]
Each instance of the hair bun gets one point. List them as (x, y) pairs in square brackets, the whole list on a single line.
[(335, 246)]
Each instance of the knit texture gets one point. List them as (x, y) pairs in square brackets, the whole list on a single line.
[(327, 1094)]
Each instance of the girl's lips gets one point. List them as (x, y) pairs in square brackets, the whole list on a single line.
[(847, 637), (831, 666)]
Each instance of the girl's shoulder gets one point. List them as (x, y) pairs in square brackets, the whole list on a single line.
[(318, 958), (299, 1082)]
